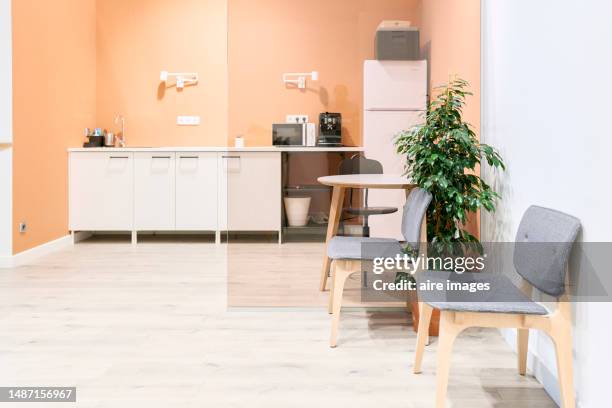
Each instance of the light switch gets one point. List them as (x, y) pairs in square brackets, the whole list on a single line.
[(188, 120)]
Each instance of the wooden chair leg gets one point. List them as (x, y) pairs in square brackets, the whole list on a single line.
[(330, 306), (522, 344), (323, 279), (565, 366), (448, 332), (339, 279), (422, 335)]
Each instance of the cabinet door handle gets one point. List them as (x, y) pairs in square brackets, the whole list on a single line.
[(189, 157), (235, 166), (160, 157), (119, 157)]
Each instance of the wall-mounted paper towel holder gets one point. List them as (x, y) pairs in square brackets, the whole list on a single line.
[(182, 78)]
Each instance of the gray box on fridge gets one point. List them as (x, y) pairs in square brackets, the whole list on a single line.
[(397, 40)]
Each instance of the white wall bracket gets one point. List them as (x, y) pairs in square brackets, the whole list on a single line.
[(182, 78), (299, 79)]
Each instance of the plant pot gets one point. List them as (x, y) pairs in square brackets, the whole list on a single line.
[(434, 323), (296, 209)]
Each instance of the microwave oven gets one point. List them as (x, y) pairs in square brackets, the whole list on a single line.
[(293, 134)]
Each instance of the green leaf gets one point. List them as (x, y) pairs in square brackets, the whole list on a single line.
[(441, 155)]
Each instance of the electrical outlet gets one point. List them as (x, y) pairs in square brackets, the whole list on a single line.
[(23, 227), (188, 120), (296, 119)]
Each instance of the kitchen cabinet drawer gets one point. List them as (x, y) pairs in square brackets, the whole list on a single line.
[(154, 191), (250, 191), (101, 191), (196, 191)]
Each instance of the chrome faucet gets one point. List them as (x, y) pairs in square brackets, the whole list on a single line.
[(121, 140)]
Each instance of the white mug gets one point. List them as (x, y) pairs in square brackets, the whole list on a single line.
[(239, 141)]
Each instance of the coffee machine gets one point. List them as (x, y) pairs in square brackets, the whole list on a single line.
[(330, 130)]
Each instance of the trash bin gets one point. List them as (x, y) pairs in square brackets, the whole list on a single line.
[(296, 209)]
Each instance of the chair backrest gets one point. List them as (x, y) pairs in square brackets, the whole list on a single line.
[(414, 211), (360, 165), (542, 247)]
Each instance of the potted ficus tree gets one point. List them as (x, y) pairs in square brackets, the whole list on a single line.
[(442, 157)]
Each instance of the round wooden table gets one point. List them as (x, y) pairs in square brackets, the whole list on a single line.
[(340, 184)]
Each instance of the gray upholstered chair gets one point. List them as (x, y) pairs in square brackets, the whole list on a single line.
[(360, 165), (543, 244), (347, 253)]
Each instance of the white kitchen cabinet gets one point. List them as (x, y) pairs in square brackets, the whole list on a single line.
[(196, 191), (250, 191), (179, 189), (101, 191), (154, 191)]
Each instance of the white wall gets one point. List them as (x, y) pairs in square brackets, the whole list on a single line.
[(547, 100), (5, 72), (6, 133), (6, 203)]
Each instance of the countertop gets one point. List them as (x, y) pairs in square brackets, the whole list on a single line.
[(300, 149)]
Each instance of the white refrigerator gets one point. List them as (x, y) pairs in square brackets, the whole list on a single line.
[(394, 99)]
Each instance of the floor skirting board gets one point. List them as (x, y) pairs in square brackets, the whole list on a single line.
[(29, 255), (547, 378)]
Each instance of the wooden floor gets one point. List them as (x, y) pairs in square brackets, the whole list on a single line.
[(284, 276), (150, 326)]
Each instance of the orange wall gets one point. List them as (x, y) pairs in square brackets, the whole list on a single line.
[(270, 37), (54, 58), (450, 39), (136, 39)]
